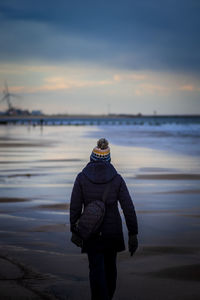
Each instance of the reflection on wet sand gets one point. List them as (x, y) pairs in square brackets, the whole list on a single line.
[(14, 200), (64, 206), (189, 191), (168, 176), (51, 228)]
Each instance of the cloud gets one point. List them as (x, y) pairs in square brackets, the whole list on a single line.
[(14, 89), (148, 88), (51, 78), (189, 88), (57, 84), (60, 83), (134, 35), (129, 77)]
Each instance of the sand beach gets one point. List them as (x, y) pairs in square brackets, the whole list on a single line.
[(37, 171)]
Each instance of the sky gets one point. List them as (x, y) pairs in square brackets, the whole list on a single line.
[(99, 57)]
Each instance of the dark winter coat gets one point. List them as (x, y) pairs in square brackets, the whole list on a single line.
[(89, 186)]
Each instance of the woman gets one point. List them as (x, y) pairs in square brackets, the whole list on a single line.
[(103, 246)]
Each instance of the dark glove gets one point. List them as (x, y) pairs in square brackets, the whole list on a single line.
[(76, 239), (132, 243)]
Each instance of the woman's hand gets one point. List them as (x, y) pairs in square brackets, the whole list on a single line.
[(132, 243), (76, 239)]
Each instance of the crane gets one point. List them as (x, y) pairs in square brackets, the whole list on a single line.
[(7, 95)]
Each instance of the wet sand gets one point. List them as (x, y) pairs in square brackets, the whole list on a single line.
[(152, 273), (39, 268), (37, 258)]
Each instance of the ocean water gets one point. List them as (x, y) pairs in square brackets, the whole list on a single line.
[(159, 162), (171, 137)]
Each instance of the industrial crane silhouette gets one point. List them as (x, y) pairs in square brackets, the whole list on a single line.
[(7, 96)]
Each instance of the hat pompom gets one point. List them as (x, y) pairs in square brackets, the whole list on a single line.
[(102, 143)]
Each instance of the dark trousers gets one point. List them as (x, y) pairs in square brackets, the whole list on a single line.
[(102, 274)]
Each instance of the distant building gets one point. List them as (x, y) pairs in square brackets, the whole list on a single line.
[(16, 112), (36, 112)]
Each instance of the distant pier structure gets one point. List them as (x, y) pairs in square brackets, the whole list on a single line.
[(44, 120), (90, 120)]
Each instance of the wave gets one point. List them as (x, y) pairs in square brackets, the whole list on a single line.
[(182, 138)]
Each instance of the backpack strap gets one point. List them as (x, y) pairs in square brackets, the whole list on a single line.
[(106, 191)]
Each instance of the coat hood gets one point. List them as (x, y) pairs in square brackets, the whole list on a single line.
[(99, 171)]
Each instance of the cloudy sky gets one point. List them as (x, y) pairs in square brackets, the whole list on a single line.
[(87, 56)]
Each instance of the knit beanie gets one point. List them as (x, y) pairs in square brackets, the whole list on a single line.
[(101, 152)]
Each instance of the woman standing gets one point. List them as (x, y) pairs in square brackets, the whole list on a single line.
[(103, 246)]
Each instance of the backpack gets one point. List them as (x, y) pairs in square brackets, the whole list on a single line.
[(92, 216)]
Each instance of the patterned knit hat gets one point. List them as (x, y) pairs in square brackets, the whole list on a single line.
[(101, 151)]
